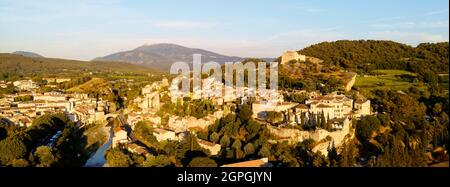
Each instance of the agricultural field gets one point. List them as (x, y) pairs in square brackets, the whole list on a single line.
[(388, 79)]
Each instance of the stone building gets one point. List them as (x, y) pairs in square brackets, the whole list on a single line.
[(120, 137), (292, 55), (25, 84), (163, 134), (213, 148), (362, 107)]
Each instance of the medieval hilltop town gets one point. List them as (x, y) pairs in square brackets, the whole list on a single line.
[(332, 114)]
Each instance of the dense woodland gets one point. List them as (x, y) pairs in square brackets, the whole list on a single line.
[(20, 146), (363, 57), (367, 55)]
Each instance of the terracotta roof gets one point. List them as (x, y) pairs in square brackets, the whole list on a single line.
[(360, 101), (302, 106), (252, 163), (206, 142), (442, 164), (323, 106), (160, 131)]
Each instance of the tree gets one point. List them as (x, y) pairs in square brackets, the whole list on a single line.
[(20, 163), (253, 127), (437, 109), (203, 135), (157, 161), (333, 157), (237, 145), (144, 132), (45, 156), (11, 148), (323, 122), (229, 154), (214, 137), (274, 117), (202, 162), (225, 141), (245, 113), (116, 158), (249, 149), (264, 151), (348, 155), (189, 149), (366, 126), (320, 161)]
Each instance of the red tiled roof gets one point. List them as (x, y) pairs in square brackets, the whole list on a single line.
[(251, 163)]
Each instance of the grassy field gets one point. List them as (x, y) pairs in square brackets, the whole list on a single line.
[(94, 84), (387, 79)]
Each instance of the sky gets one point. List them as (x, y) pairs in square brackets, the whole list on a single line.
[(86, 29)]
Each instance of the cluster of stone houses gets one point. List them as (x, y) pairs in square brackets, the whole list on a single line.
[(337, 110), (175, 129), (56, 80), (4, 84), (332, 106), (79, 107), (25, 85), (29, 85)]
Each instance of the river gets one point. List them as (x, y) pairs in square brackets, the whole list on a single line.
[(98, 159)]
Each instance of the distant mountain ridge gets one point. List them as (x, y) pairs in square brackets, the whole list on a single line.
[(28, 54), (161, 56)]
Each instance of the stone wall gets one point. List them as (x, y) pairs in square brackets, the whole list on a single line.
[(351, 82), (295, 135), (181, 124)]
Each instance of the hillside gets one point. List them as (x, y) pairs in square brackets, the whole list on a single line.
[(313, 76), (28, 54), (161, 56), (96, 85), (367, 55), (21, 65)]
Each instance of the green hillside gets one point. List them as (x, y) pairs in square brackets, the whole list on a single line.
[(366, 55), (11, 64)]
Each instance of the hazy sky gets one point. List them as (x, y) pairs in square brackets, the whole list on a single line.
[(85, 29)]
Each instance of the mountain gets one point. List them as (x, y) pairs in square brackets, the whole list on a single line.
[(28, 54), (161, 56)]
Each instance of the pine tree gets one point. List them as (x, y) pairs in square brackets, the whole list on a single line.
[(323, 123)]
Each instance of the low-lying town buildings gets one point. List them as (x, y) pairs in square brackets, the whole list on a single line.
[(213, 148), (120, 137), (137, 149), (336, 110), (149, 100), (190, 123), (25, 85), (79, 107), (56, 80), (332, 106), (163, 134)]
